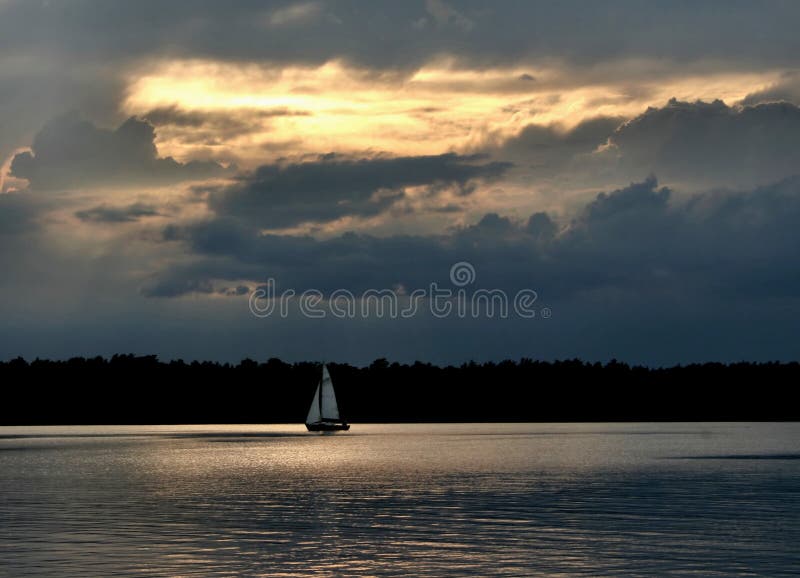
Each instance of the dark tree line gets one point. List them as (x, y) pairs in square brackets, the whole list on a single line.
[(144, 390)]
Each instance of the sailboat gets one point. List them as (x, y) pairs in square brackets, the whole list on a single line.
[(323, 415)]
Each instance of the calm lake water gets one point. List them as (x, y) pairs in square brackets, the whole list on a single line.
[(695, 499)]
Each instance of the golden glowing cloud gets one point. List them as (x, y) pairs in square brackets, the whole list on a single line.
[(7, 182), (438, 108)]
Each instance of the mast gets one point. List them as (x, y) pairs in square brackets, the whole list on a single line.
[(329, 408), (319, 398)]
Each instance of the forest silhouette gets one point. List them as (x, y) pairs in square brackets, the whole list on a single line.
[(128, 389)]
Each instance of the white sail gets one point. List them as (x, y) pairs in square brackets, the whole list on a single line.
[(330, 409), (313, 411)]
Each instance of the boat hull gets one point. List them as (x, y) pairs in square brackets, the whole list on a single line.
[(323, 426)]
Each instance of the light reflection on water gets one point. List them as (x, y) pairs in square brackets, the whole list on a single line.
[(391, 500)]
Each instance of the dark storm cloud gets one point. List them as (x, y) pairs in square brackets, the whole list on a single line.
[(333, 186), (586, 136), (787, 89), (640, 273), (548, 149), (391, 33), (224, 121), (70, 152), (33, 90), (541, 227), (192, 126), (636, 240), (125, 214), (712, 143), (18, 210), (177, 285)]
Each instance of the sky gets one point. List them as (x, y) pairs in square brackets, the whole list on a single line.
[(629, 167)]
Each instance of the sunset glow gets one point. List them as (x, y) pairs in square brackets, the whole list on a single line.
[(437, 108)]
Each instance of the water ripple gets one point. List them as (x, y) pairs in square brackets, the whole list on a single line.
[(433, 501)]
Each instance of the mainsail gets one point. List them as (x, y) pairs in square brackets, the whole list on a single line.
[(313, 411)]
